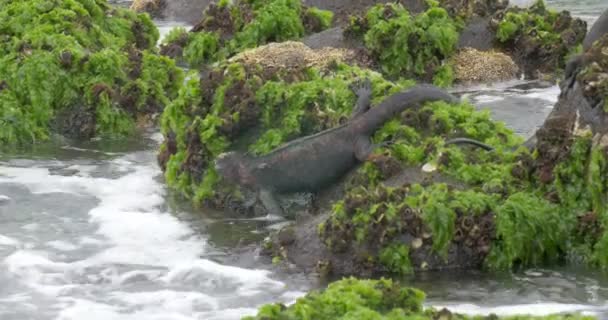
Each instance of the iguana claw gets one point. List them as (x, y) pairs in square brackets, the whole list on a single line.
[(362, 87)]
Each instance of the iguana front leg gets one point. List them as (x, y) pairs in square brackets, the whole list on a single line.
[(270, 202), (364, 97), (364, 147)]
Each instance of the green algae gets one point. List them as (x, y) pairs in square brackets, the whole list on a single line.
[(78, 68), (581, 179), (433, 203), (212, 117), (376, 218), (537, 19), (409, 46), (321, 19), (530, 231), (349, 299), (490, 204), (396, 258), (527, 229), (593, 74), (581, 186), (275, 21), (231, 27), (202, 48), (352, 298), (541, 31), (309, 106), (444, 76)]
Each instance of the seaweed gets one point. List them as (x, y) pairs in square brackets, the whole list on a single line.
[(462, 204), (202, 48), (538, 33), (219, 112), (593, 75), (78, 68), (396, 258), (531, 231), (228, 28), (352, 298), (408, 46)]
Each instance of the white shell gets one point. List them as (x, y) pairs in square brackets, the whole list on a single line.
[(429, 167)]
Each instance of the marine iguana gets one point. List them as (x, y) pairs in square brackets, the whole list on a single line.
[(310, 163)]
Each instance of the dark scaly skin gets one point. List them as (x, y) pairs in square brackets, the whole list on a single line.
[(599, 28), (313, 162)]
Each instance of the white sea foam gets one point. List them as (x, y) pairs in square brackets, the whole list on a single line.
[(550, 94), (4, 199), (484, 98), (135, 244), (61, 245), (8, 241), (533, 309)]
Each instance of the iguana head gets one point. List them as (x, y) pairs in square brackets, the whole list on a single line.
[(231, 166)]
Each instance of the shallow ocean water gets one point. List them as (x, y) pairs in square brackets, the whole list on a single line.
[(89, 231)]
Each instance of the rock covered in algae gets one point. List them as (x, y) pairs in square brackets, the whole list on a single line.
[(344, 9), (475, 209), (394, 217), (539, 39), (498, 210), (231, 27), (373, 299), (406, 45), (78, 68), (594, 76), (572, 159), (468, 10), (420, 45), (255, 102), (473, 66)]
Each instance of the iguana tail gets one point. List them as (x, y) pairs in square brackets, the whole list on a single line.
[(374, 118), (469, 141)]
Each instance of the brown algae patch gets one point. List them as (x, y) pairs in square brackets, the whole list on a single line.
[(473, 66), (292, 55)]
